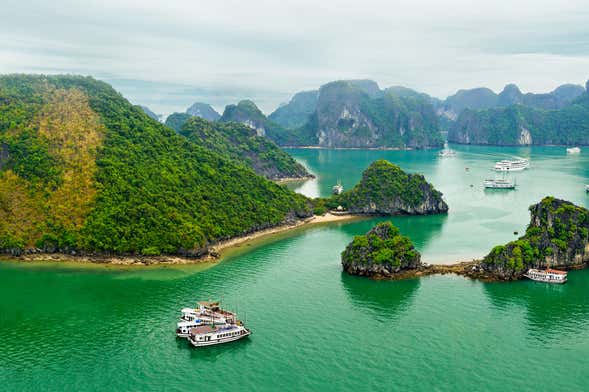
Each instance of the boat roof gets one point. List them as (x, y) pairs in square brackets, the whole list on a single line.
[(553, 271), (208, 329), (188, 310), (549, 271), (208, 304)]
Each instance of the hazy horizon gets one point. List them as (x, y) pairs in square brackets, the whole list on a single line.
[(167, 56)]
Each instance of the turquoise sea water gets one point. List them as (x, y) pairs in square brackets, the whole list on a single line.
[(314, 328), (478, 218)]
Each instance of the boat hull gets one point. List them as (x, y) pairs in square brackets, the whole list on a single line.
[(505, 169), (553, 281), (219, 341)]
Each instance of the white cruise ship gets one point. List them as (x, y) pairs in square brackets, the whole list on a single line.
[(573, 150), (513, 165), (548, 275), (209, 335), (499, 184), (207, 313), (447, 153), (338, 188)]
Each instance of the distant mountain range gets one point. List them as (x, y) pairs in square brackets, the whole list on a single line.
[(560, 117), (359, 114), (484, 98), (355, 114)]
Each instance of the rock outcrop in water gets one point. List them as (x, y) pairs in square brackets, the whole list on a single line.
[(382, 253), (385, 189), (557, 236)]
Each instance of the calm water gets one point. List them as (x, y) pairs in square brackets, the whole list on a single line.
[(479, 219), (80, 328)]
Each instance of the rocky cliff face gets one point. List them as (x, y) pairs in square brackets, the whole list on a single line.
[(361, 116), (203, 110), (557, 236), (382, 252), (385, 189)]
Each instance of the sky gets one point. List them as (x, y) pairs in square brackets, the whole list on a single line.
[(169, 54)]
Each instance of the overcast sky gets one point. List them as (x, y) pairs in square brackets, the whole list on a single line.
[(168, 54)]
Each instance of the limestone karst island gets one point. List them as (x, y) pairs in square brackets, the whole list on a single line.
[(294, 196)]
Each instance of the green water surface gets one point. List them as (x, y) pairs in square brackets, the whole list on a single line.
[(69, 328)]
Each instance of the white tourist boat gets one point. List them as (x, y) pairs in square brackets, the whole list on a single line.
[(447, 153), (206, 313), (512, 165), (209, 335), (548, 275), (500, 183), (338, 188), (573, 150), (587, 188), (183, 327)]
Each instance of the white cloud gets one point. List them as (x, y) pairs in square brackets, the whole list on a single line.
[(267, 50)]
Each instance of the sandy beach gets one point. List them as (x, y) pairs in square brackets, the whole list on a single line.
[(216, 250)]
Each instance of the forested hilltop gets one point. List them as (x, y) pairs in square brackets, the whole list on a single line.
[(82, 169), (518, 124), (241, 144)]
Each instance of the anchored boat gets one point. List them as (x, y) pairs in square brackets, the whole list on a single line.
[(209, 335), (447, 153), (338, 188), (573, 150), (499, 184), (207, 313), (514, 165), (548, 275)]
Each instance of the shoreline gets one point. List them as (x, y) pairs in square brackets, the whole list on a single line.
[(294, 179), (214, 255)]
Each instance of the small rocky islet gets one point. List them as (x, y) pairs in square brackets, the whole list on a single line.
[(557, 236), (382, 252), (385, 190)]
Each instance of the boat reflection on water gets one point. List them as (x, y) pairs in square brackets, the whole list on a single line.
[(548, 308), (381, 299)]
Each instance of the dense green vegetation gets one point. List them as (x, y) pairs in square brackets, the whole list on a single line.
[(243, 146), (386, 189), (557, 234), (81, 168), (150, 113), (177, 120), (383, 244)]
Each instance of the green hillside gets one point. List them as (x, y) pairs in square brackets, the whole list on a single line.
[(241, 143), (83, 169)]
